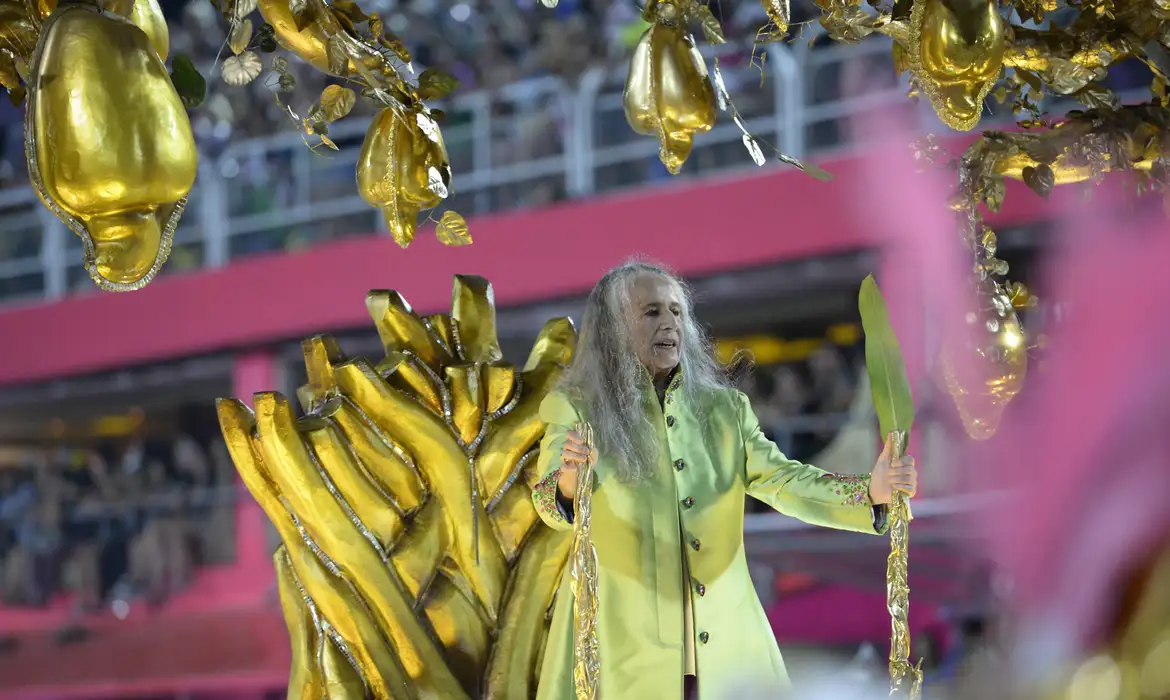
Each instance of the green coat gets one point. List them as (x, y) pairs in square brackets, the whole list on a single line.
[(697, 494)]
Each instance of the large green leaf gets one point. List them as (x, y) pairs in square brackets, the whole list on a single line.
[(883, 361)]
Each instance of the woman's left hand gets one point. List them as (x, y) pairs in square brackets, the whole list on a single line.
[(889, 476)]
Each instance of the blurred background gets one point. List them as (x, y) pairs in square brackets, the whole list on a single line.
[(134, 564)]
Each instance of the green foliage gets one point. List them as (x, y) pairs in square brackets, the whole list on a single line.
[(190, 85), (884, 363)]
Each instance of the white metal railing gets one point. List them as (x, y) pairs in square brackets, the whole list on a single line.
[(528, 144)]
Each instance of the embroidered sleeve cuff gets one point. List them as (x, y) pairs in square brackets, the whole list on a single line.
[(852, 490), (548, 499)]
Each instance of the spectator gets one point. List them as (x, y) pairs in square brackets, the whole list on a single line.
[(71, 525), (18, 508), (159, 560), (85, 488)]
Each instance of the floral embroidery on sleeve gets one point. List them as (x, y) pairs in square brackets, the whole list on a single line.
[(854, 490), (545, 494)]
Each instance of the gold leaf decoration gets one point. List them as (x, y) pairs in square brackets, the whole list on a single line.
[(901, 60), (394, 44), (337, 56), (1040, 179), (242, 69), (285, 80), (753, 149), (435, 84), (8, 75), (243, 8), (303, 12), (779, 14), (240, 36), (376, 27), (452, 229), (712, 30), (351, 10), (336, 102)]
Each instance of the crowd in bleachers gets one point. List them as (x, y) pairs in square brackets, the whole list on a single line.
[(113, 524), (801, 405)]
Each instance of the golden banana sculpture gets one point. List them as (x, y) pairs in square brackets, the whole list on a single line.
[(403, 168), (668, 91), (109, 146), (413, 562)]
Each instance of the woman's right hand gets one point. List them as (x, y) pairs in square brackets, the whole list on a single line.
[(573, 455)]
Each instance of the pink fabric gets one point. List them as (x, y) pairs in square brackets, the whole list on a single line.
[(1086, 445), (1089, 448), (840, 616)]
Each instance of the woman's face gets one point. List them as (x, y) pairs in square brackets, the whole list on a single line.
[(656, 323)]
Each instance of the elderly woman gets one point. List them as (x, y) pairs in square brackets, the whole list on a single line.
[(676, 450)]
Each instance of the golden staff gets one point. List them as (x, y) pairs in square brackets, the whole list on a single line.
[(894, 406), (905, 680), (583, 570)]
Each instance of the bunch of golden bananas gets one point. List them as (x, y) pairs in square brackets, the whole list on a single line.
[(109, 146), (413, 561), (668, 91)]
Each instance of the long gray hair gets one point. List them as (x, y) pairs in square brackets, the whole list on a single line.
[(609, 382)]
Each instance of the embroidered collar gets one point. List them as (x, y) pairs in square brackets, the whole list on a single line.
[(675, 382)]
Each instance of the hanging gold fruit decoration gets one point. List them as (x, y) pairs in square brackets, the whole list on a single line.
[(323, 36), (147, 15), (984, 374), (956, 55), (668, 92), (109, 145), (403, 168)]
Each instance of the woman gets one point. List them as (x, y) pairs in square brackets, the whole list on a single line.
[(676, 451)]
